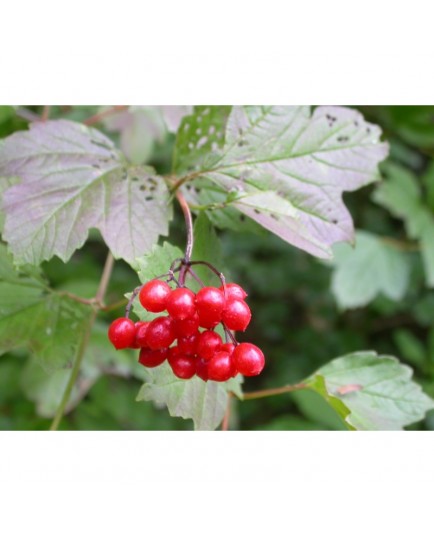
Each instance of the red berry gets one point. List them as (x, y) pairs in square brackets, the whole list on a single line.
[(228, 347), (160, 333), (183, 366), (207, 322), (122, 333), (248, 359), (152, 358), (221, 367), (140, 338), (188, 345), (202, 369), (187, 327), (180, 303), (210, 303), (173, 351), (234, 291), (236, 315), (208, 343), (153, 295)]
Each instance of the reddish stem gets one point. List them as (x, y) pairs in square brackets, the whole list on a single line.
[(106, 113), (225, 423), (272, 392), (45, 113)]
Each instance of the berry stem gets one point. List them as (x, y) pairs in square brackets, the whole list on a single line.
[(212, 268), (131, 300), (188, 224), (45, 113), (102, 288), (226, 418), (276, 391), (190, 239), (229, 334), (102, 115), (195, 276)]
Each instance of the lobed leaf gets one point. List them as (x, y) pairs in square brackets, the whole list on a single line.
[(288, 169), (73, 179), (371, 392)]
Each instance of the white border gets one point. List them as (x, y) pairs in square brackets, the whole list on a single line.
[(304, 483)]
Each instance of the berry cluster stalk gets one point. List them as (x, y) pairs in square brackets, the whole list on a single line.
[(190, 239)]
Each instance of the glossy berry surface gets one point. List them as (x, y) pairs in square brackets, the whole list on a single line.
[(236, 315), (187, 327), (221, 367), (234, 292), (208, 344), (207, 321), (153, 296), (183, 366), (152, 358), (210, 303), (202, 369), (121, 333), (228, 347), (248, 359), (181, 304), (140, 337), (160, 333), (188, 345)]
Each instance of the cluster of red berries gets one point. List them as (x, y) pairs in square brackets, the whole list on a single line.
[(201, 353)]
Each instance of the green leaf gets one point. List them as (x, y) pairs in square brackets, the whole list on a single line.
[(46, 389), (318, 384), (401, 194), (157, 262), (203, 402), (289, 169), (199, 136), (371, 392), (73, 179), (372, 267), (34, 317), (317, 410)]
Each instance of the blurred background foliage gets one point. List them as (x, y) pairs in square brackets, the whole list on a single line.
[(297, 320)]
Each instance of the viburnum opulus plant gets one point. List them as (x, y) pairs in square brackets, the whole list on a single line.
[(282, 169)]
